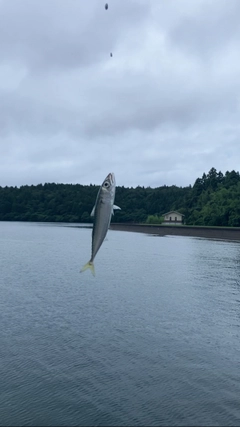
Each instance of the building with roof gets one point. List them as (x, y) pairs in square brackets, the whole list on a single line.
[(173, 218)]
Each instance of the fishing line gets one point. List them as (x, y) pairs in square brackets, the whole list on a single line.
[(111, 144), (106, 8)]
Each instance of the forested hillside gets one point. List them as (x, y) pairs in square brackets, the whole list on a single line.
[(214, 199)]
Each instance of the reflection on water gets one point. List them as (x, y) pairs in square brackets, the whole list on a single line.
[(153, 339)]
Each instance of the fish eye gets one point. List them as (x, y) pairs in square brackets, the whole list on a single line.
[(106, 184)]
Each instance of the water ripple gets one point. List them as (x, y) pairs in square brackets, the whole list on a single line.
[(152, 340)]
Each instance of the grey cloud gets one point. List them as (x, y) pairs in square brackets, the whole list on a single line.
[(164, 109), (57, 34), (213, 27)]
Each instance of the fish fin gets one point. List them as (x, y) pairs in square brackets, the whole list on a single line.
[(88, 265), (93, 210), (115, 207)]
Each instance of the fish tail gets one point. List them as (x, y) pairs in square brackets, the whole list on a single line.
[(88, 265)]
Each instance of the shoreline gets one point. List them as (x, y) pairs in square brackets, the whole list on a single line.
[(222, 233), (219, 233)]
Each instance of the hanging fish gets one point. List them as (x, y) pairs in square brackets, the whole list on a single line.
[(106, 6), (102, 212)]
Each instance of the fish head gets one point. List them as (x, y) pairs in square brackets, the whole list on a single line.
[(109, 183)]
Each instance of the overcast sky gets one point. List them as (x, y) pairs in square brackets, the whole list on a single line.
[(162, 110)]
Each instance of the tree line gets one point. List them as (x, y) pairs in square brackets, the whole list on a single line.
[(214, 199)]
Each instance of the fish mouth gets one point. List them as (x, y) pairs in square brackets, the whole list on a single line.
[(111, 178)]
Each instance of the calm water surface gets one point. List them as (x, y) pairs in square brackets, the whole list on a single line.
[(152, 340)]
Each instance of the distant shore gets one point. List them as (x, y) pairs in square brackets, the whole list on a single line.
[(225, 233)]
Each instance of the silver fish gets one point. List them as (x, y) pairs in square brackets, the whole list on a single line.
[(102, 212)]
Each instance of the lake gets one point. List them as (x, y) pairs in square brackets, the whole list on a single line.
[(153, 339)]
